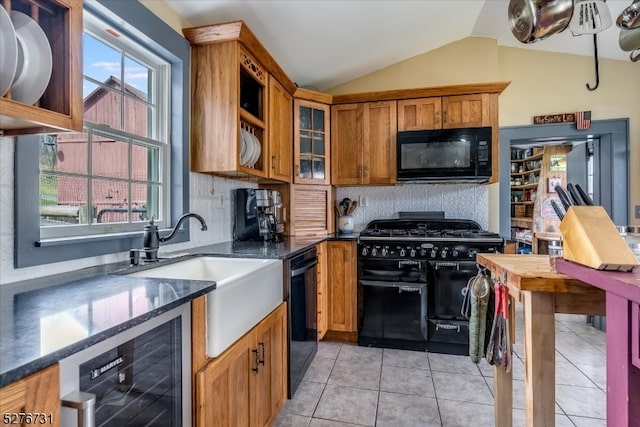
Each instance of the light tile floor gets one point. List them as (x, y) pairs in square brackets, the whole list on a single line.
[(347, 385)]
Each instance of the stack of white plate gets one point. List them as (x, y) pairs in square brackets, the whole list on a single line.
[(250, 149), (26, 57)]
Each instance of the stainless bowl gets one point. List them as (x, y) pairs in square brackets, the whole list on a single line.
[(630, 17), (535, 20), (629, 40)]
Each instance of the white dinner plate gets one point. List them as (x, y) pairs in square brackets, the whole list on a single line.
[(34, 60), (250, 149), (9, 48), (256, 150), (243, 146)]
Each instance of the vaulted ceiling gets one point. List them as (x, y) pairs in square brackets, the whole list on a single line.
[(324, 43)]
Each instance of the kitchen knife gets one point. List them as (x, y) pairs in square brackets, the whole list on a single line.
[(585, 197), (556, 207), (575, 197), (564, 197)]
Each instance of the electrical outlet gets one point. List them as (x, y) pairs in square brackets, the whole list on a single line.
[(362, 201), (637, 212)]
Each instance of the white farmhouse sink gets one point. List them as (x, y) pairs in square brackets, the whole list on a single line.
[(246, 291)]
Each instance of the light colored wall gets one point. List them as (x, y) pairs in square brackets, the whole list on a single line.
[(541, 83), (470, 61)]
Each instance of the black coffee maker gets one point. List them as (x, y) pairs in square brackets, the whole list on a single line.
[(258, 215)]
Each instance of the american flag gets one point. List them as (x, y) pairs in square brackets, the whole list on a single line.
[(583, 120)]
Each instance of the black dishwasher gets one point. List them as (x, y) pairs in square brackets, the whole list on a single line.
[(301, 295)]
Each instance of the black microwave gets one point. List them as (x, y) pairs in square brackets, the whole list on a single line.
[(444, 155)]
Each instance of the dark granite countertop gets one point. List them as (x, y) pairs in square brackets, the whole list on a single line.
[(42, 323), (35, 315), (288, 248)]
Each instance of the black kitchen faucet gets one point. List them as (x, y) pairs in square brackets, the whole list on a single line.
[(151, 239)]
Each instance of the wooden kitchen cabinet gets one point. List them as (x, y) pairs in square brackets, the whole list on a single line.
[(236, 84), (247, 384), (418, 114), (228, 93), (271, 380), (363, 146), (322, 284), (279, 131), (312, 139), (311, 210), (60, 106), (342, 286), (223, 393), (459, 111), (38, 393)]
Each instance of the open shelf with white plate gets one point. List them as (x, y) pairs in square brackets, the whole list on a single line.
[(34, 102)]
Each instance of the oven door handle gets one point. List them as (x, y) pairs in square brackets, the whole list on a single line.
[(451, 265), (304, 268)]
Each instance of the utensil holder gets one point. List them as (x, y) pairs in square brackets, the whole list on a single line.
[(345, 224)]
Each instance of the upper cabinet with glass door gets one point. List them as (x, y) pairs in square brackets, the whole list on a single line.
[(43, 94), (311, 142)]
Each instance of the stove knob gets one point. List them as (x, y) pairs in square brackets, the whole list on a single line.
[(403, 252), (385, 251), (374, 252), (365, 250), (443, 254), (423, 253), (433, 253), (412, 253), (455, 253)]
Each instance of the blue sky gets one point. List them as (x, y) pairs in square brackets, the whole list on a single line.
[(102, 61)]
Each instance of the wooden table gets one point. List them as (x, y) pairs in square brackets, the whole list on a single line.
[(542, 294), (623, 339)]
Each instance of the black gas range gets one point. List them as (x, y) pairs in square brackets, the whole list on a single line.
[(412, 277), (446, 239)]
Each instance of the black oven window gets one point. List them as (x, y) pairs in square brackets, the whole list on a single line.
[(436, 154)]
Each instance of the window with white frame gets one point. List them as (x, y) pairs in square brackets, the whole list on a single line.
[(115, 174)]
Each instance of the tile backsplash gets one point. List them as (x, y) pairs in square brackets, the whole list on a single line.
[(211, 197), (460, 201)]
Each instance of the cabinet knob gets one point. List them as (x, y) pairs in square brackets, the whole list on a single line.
[(273, 162), (297, 170)]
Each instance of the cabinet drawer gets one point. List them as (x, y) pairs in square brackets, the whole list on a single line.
[(635, 334)]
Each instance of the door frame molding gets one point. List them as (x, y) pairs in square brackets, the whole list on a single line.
[(614, 130)]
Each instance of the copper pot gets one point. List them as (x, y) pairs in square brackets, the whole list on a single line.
[(535, 20)]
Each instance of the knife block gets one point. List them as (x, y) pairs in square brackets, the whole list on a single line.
[(590, 238)]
